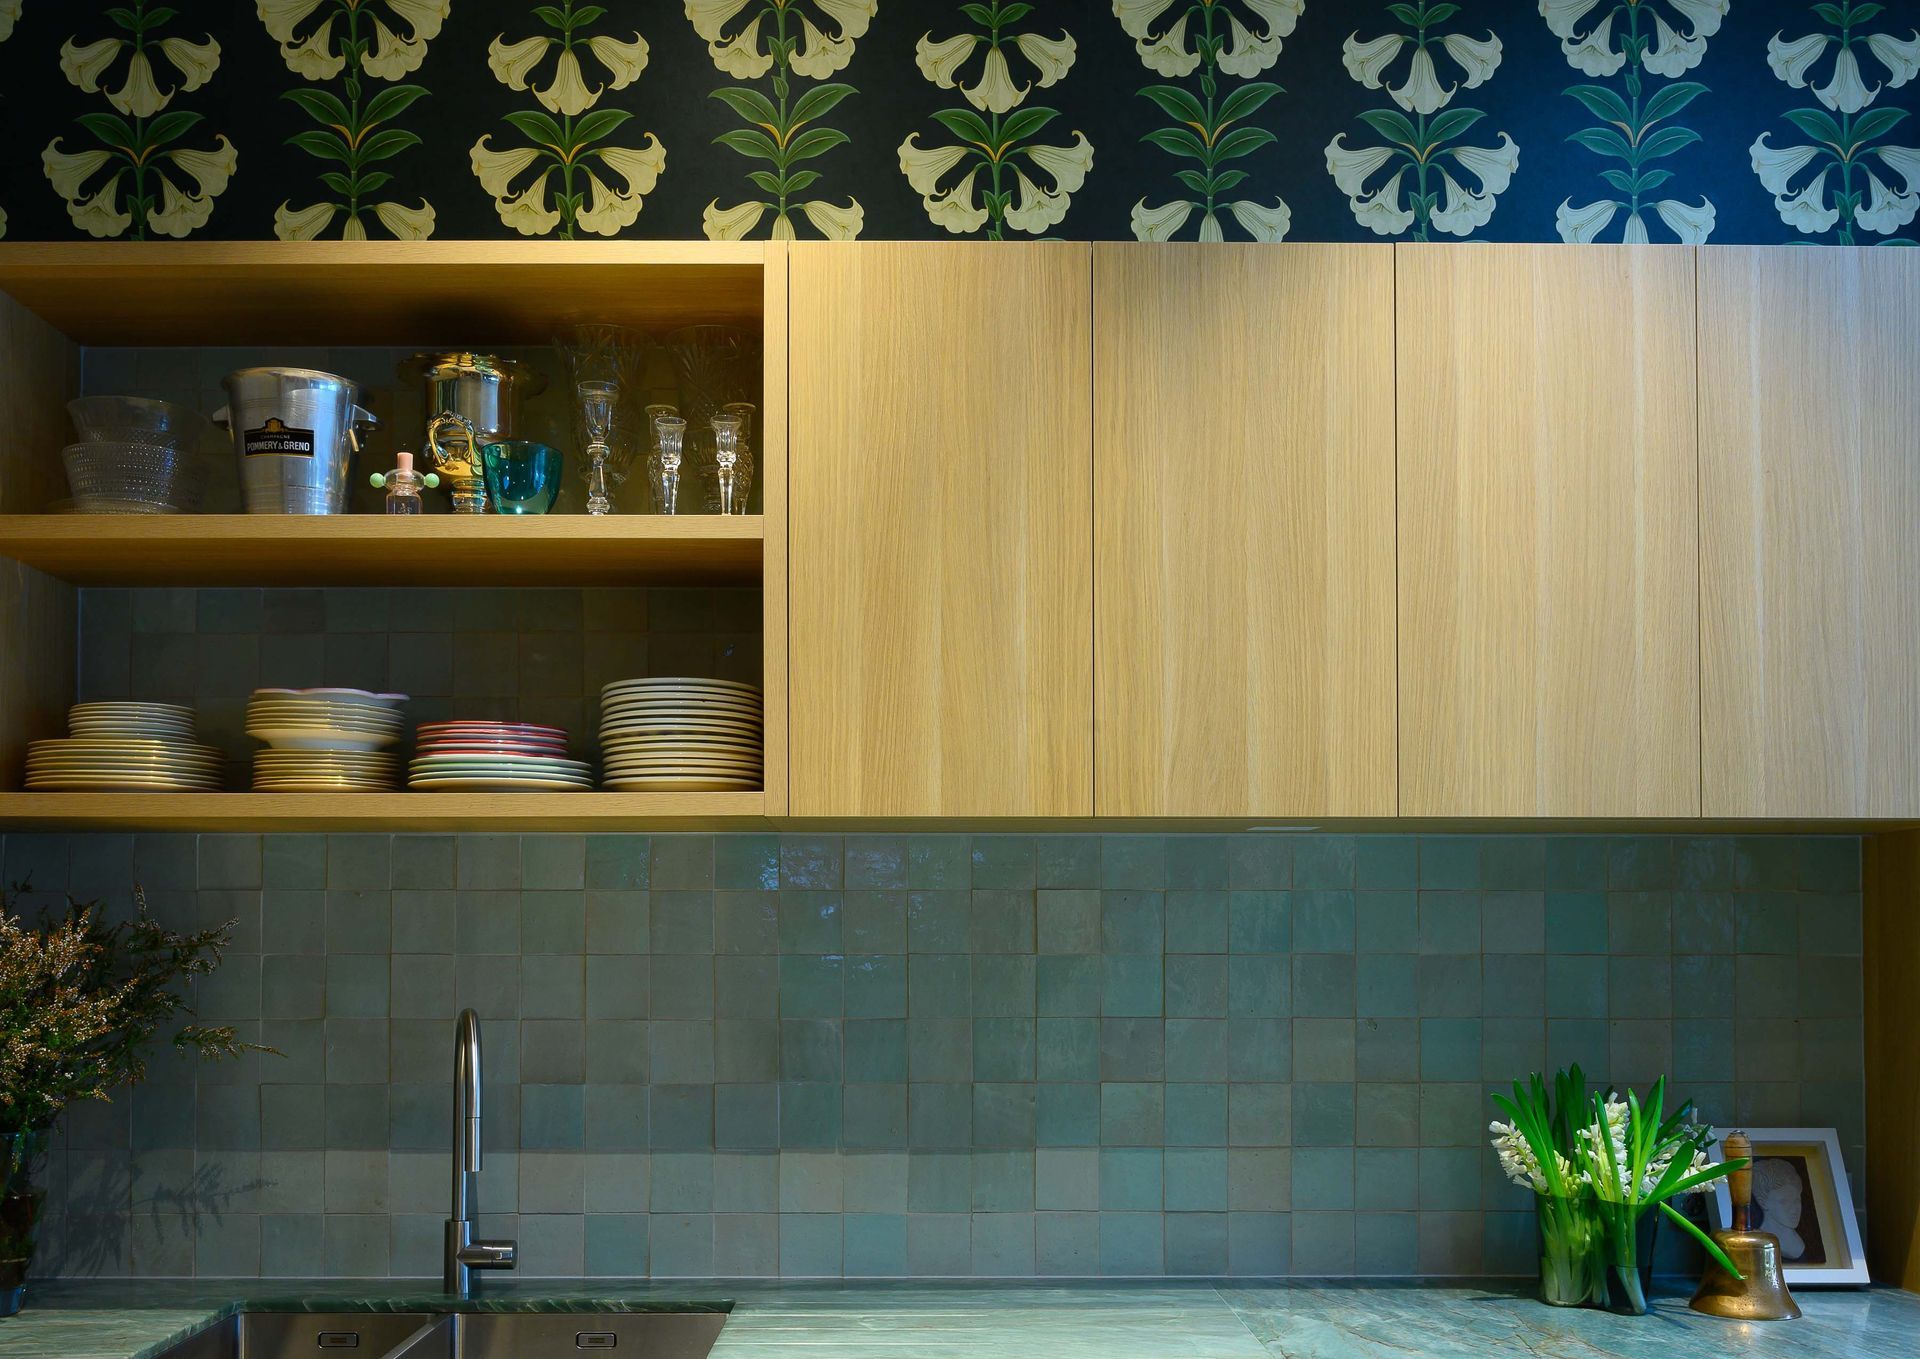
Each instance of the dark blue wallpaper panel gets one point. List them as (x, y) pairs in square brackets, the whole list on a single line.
[(1732, 121)]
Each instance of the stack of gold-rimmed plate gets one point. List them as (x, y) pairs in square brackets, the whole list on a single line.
[(125, 747), (325, 740), (680, 734)]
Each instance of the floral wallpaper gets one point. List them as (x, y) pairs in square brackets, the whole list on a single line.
[(1731, 121)]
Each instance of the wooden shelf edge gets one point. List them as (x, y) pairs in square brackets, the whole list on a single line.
[(398, 812)]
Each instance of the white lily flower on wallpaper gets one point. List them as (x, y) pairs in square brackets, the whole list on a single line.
[(528, 211), (496, 169), (1692, 225), (1903, 161), (100, 216), (1678, 46), (67, 171), (1845, 92), (1593, 53), (514, 65), (1367, 61), (730, 224), (1901, 57), (1886, 211), (1775, 165), (1068, 165), (302, 224), (1671, 54), (1493, 166), (834, 222), (1791, 60), (1583, 225), (957, 209), (9, 16), (1350, 166), (180, 209), (1261, 222), (1807, 211), (1381, 212), (396, 51), (1371, 61), (83, 65), (820, 53), (1160, 224), (961, 209), (139, 96), (942, 62), (1251, 47), (1462, 210), (305, 224), (610, 210)]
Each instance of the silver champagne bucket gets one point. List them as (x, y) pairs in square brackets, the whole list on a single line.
[(472, 400), (295, 431)]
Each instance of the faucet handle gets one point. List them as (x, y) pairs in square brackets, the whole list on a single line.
[(489, 1254)]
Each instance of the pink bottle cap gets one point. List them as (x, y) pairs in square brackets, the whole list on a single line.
[(403, 462)]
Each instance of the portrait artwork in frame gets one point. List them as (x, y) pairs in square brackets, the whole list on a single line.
[(1801, 1196)]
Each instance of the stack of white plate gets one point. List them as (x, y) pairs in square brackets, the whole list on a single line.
[(499, 757), (325, 740), (681, 734), (125, 747)]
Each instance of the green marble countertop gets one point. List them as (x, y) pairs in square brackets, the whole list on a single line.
[(1283, 1320)]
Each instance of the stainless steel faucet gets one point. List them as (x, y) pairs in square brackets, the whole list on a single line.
[(464, 1254)]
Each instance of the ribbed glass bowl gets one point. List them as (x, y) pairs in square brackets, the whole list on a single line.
[(135, 478), (137, 420)]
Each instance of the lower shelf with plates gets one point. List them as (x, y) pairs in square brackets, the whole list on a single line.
[(565, 811)]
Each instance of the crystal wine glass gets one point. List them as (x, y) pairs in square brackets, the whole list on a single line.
[(726, 453), (596, 403), (669, 437), (653, 416), (743, 467)]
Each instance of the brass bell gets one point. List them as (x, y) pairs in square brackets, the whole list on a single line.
[(1761, 1295)]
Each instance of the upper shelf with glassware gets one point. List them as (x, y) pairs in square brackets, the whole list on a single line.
[(478, 293)]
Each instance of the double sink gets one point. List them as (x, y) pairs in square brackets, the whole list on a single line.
[(455, 1335)]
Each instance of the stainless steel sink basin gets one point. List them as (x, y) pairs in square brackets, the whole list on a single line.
[(456, 1335)]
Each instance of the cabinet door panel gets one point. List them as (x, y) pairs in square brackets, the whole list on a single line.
[(1810, 532), (940, 587), (1244, 530), (1549, 644)]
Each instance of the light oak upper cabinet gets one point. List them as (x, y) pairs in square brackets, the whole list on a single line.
[(1549, 647), (1244, 527), (1810, 532), (940, 555)]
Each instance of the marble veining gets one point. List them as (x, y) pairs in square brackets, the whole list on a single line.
[(1199, 1320)]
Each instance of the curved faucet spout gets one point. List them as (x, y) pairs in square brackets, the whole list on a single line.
[(464, 1254)]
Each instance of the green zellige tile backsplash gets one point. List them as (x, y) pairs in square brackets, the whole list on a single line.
[(763, 1054)]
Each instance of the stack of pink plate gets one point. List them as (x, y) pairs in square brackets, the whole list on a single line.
[(499, 757)]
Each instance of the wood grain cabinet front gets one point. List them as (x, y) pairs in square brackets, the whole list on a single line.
[(1549, 626), (1810, 532), (941, 587), (1243, 527)]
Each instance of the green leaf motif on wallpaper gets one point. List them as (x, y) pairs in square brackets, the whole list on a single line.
[(1635, 43), (1423, 177), (151, 170), (1225, 41), (1841, 185), (995, 133), (352, 42), (571, 138), (750, 39)]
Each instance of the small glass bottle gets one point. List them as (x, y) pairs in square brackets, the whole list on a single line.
[(403, 485)]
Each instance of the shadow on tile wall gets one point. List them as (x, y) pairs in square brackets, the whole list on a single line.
[(759, 1054)]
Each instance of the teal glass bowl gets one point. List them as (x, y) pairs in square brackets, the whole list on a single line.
[(523, 477)]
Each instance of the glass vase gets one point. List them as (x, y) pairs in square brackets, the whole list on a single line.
[(1573, 1258), (20, 1200), (1630, 1256)]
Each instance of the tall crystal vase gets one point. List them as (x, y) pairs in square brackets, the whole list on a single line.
[(20, 1156), (1573, 1253)]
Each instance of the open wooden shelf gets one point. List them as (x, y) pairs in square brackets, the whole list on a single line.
[(465, 293), (372, 549), (380, 811)]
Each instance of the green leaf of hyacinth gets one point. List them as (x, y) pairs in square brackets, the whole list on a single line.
[(1439, 14), (816, 102), (750, 141), (596, 125), (1816, 123), (1245, 99), (1176, 103), (1242, 141), (322, 144), (1875, 123), (964, 124), (815, 141), (802, 180), (1391, 125), (1670, 99), (1023, 124), (389, 103), (107, 128), (1227, 179), (386, 144), (537, 126), (320, 106), (586, 14), (1602, 102), (1451, 124), (169, 127), (552, 16), (1178, 140), (752, 105), (1603, 141), (1666, 141)]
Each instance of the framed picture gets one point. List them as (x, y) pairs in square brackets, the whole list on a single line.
[(1800, 1194)]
